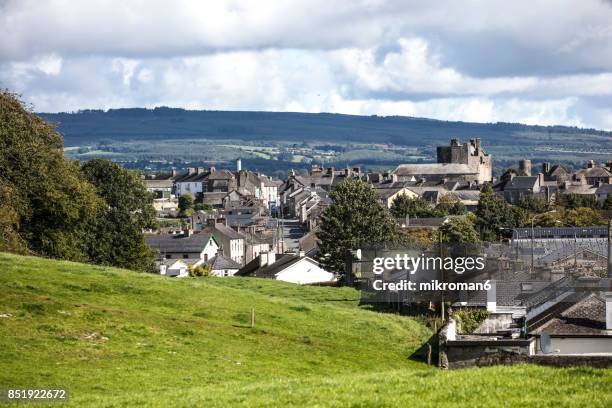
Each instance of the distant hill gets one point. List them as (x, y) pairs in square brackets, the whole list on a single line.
[(91, 126)]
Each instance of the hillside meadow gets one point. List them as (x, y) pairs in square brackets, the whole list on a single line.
[(119, 338)]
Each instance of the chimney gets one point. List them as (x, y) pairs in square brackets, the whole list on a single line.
[(212, 169), (357, 170), (187, 232), (590, 164), (174, 173), (200, 170), (301, 254), (545, 167), (191, 170), (492, 298), (525, 167), (330, 171), (347, 171), (263, 259), (238, 165), (541, 179), (477, 143), (271, 257)]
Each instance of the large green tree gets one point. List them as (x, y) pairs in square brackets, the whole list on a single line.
[(46, 202), (354, 219), (460, 230), (404, 206), (494, 214), (185, 204), (116, 236)]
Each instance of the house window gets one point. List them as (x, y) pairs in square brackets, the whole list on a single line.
[(185, 256), (168, 256), (205, 257)]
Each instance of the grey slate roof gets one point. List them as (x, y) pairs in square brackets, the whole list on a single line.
[(586, 316), (269, 271), (179, 243), (521, 183), (228, 232), (433, 168), (604, 189), (220, 262), (567, 251), (562, 232)]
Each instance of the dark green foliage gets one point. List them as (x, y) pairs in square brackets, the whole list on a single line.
[(607, 204), (450, 205), (116, 237), (202, 207), (185, 204), (577, 201), (353, 220), (417, 207), (534, 204), (46, 202), (494, 214), (459, 230), (413, 207), (469, 320)]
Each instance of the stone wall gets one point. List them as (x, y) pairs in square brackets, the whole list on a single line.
[(456, 351)]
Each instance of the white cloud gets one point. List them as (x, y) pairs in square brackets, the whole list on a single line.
[(532, 62)]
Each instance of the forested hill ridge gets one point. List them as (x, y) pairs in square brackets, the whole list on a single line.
[(91, 126)]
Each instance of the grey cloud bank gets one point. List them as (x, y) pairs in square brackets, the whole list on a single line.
[(536, 62)]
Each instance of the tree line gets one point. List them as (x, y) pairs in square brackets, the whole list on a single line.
[(356, 218), (55, 207)]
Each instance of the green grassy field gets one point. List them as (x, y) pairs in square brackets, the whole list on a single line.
[(120, 338)]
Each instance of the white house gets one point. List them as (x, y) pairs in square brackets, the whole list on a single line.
[(178, 269), (298, 269), (191, 182), (223, 266), (184, 246)]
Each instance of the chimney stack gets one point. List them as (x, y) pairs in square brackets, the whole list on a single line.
[(263, 259), (238, 165), (546, 167), (271, 257), (191, 170), (525, 167), (492, 298)]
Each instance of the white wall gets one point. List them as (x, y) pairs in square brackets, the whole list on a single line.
[(210, 250), (224, 272), (188, 187), (305, 271), (581, 345)]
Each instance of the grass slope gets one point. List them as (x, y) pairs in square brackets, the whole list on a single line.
[(119, 338)]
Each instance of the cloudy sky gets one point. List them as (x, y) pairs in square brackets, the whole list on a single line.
[(536, 62)]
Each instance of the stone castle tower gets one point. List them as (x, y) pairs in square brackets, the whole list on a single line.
[(471, 154)]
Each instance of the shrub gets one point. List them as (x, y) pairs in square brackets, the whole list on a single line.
[(469, 320)]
